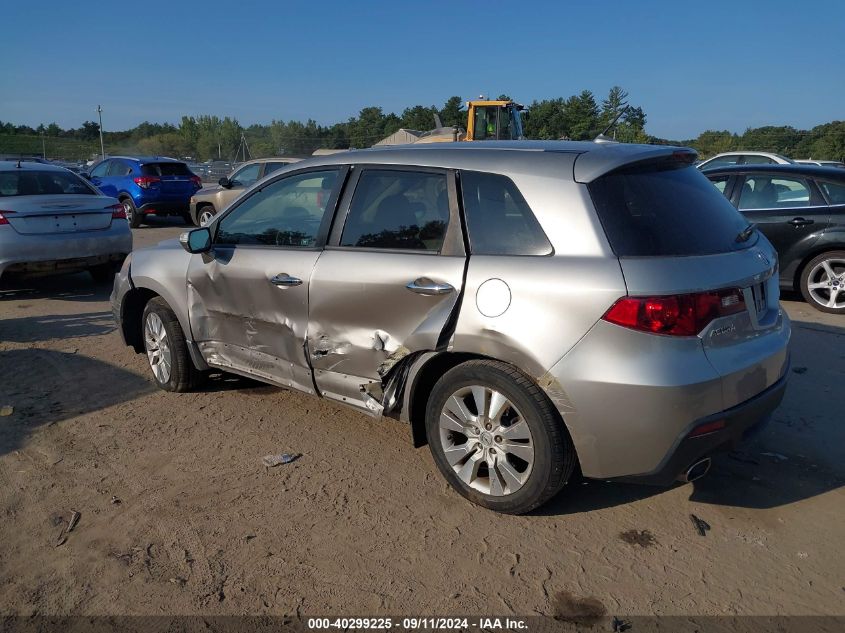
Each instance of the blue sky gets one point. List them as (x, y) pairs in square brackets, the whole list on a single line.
[(690, 65)]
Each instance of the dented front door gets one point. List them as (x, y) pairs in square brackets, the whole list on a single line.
[(248, 297), (388, 281)]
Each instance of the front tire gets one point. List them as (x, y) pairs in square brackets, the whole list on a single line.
[(823, 282), (205, 215), (167, 351), (496, 437)]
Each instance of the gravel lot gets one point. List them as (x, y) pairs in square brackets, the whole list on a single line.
[(178, 515)]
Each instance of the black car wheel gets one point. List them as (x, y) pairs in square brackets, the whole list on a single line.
[(132, 215), (823, 282)]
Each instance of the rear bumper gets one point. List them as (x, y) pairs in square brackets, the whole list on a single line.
[(165, 208), (63, 252), (740, 421)]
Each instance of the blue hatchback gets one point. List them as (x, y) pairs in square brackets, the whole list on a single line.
[(147, 185)]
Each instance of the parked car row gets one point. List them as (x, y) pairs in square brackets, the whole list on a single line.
[(528, 308)]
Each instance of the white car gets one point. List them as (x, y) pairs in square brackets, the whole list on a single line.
[(821, 163), (744, 158)]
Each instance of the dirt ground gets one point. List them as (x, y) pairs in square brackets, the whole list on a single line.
[(179, 516)]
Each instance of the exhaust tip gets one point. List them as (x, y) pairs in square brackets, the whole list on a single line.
[(696, 471)]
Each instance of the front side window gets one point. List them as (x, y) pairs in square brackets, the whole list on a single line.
[(246, 175), (26, 182), (770, 192), (398, 210), (284, 213), (720, 182), (101, 169), (835, 191), (499, 220)]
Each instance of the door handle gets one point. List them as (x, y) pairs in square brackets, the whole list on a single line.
[(425, 286), (283, 280), (796, 222)]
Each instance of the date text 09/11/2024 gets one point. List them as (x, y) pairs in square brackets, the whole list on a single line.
[(420, 623)]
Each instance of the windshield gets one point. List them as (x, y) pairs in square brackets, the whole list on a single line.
[(28, 182), (666, 210)]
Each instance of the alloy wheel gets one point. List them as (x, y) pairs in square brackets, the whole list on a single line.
[(826, 283), (486, 440), (127, 210), (157, 345), (206, 216)]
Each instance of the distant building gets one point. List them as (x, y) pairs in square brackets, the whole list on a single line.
[(400, 137)]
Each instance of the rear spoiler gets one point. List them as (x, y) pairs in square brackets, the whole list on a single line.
[(608, 157)]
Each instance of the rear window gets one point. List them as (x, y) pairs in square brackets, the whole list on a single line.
[(165, 169), (665, 210), (36, 183)]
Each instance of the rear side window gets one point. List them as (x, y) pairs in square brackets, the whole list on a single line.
[(770, 192), (398, 210), (165, 169), (269, 168), (38, 183), (119, 168), (835, 191), (499, 220), (665, 210)]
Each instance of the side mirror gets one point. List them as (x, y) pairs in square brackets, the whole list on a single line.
[(196, 241), (85, 175), (225, 182)]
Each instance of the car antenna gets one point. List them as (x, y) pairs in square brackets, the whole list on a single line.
[(19, 163), (601, 138)]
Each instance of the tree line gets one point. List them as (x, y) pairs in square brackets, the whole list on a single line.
[(578, 117)]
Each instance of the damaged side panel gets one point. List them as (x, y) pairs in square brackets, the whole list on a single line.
[(243, 322), (366, 325)]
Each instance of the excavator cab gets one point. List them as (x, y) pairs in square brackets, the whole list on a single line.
[(494, 120)]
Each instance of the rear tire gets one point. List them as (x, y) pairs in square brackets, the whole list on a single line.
[(512, 458), (823, 282), (167, 351), (133, 216)]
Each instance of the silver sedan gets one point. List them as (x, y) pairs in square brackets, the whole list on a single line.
[(53, 221)]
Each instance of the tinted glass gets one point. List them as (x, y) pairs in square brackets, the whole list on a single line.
[(246, 175), (752, 159), (664, 211), (398, 209), (165, 169), (835, 191), (499, 220), (119, 168), (36, 183), (100, 169), (768, 192), (720, 182), (271, 167), (288, 212)]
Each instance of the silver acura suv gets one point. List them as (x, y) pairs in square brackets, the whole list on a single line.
[(527, 308)]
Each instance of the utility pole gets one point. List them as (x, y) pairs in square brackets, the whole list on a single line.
[(102, 147), (43, 147)]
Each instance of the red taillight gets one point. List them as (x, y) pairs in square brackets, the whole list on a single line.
[(117, 212), (675, 315), (197, 181), (145, 182), (708, 427), (3, 219)]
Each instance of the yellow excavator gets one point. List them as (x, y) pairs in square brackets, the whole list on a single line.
[(487, 120)]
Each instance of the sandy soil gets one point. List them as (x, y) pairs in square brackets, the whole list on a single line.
[(178, 515)]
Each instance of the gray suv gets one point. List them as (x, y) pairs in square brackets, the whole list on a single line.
[(527, 308)]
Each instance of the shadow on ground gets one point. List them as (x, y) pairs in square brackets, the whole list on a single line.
[(55, 326), (69, 287), (56, 386)]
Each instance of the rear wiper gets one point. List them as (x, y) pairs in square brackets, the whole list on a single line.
[(746, 233)]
